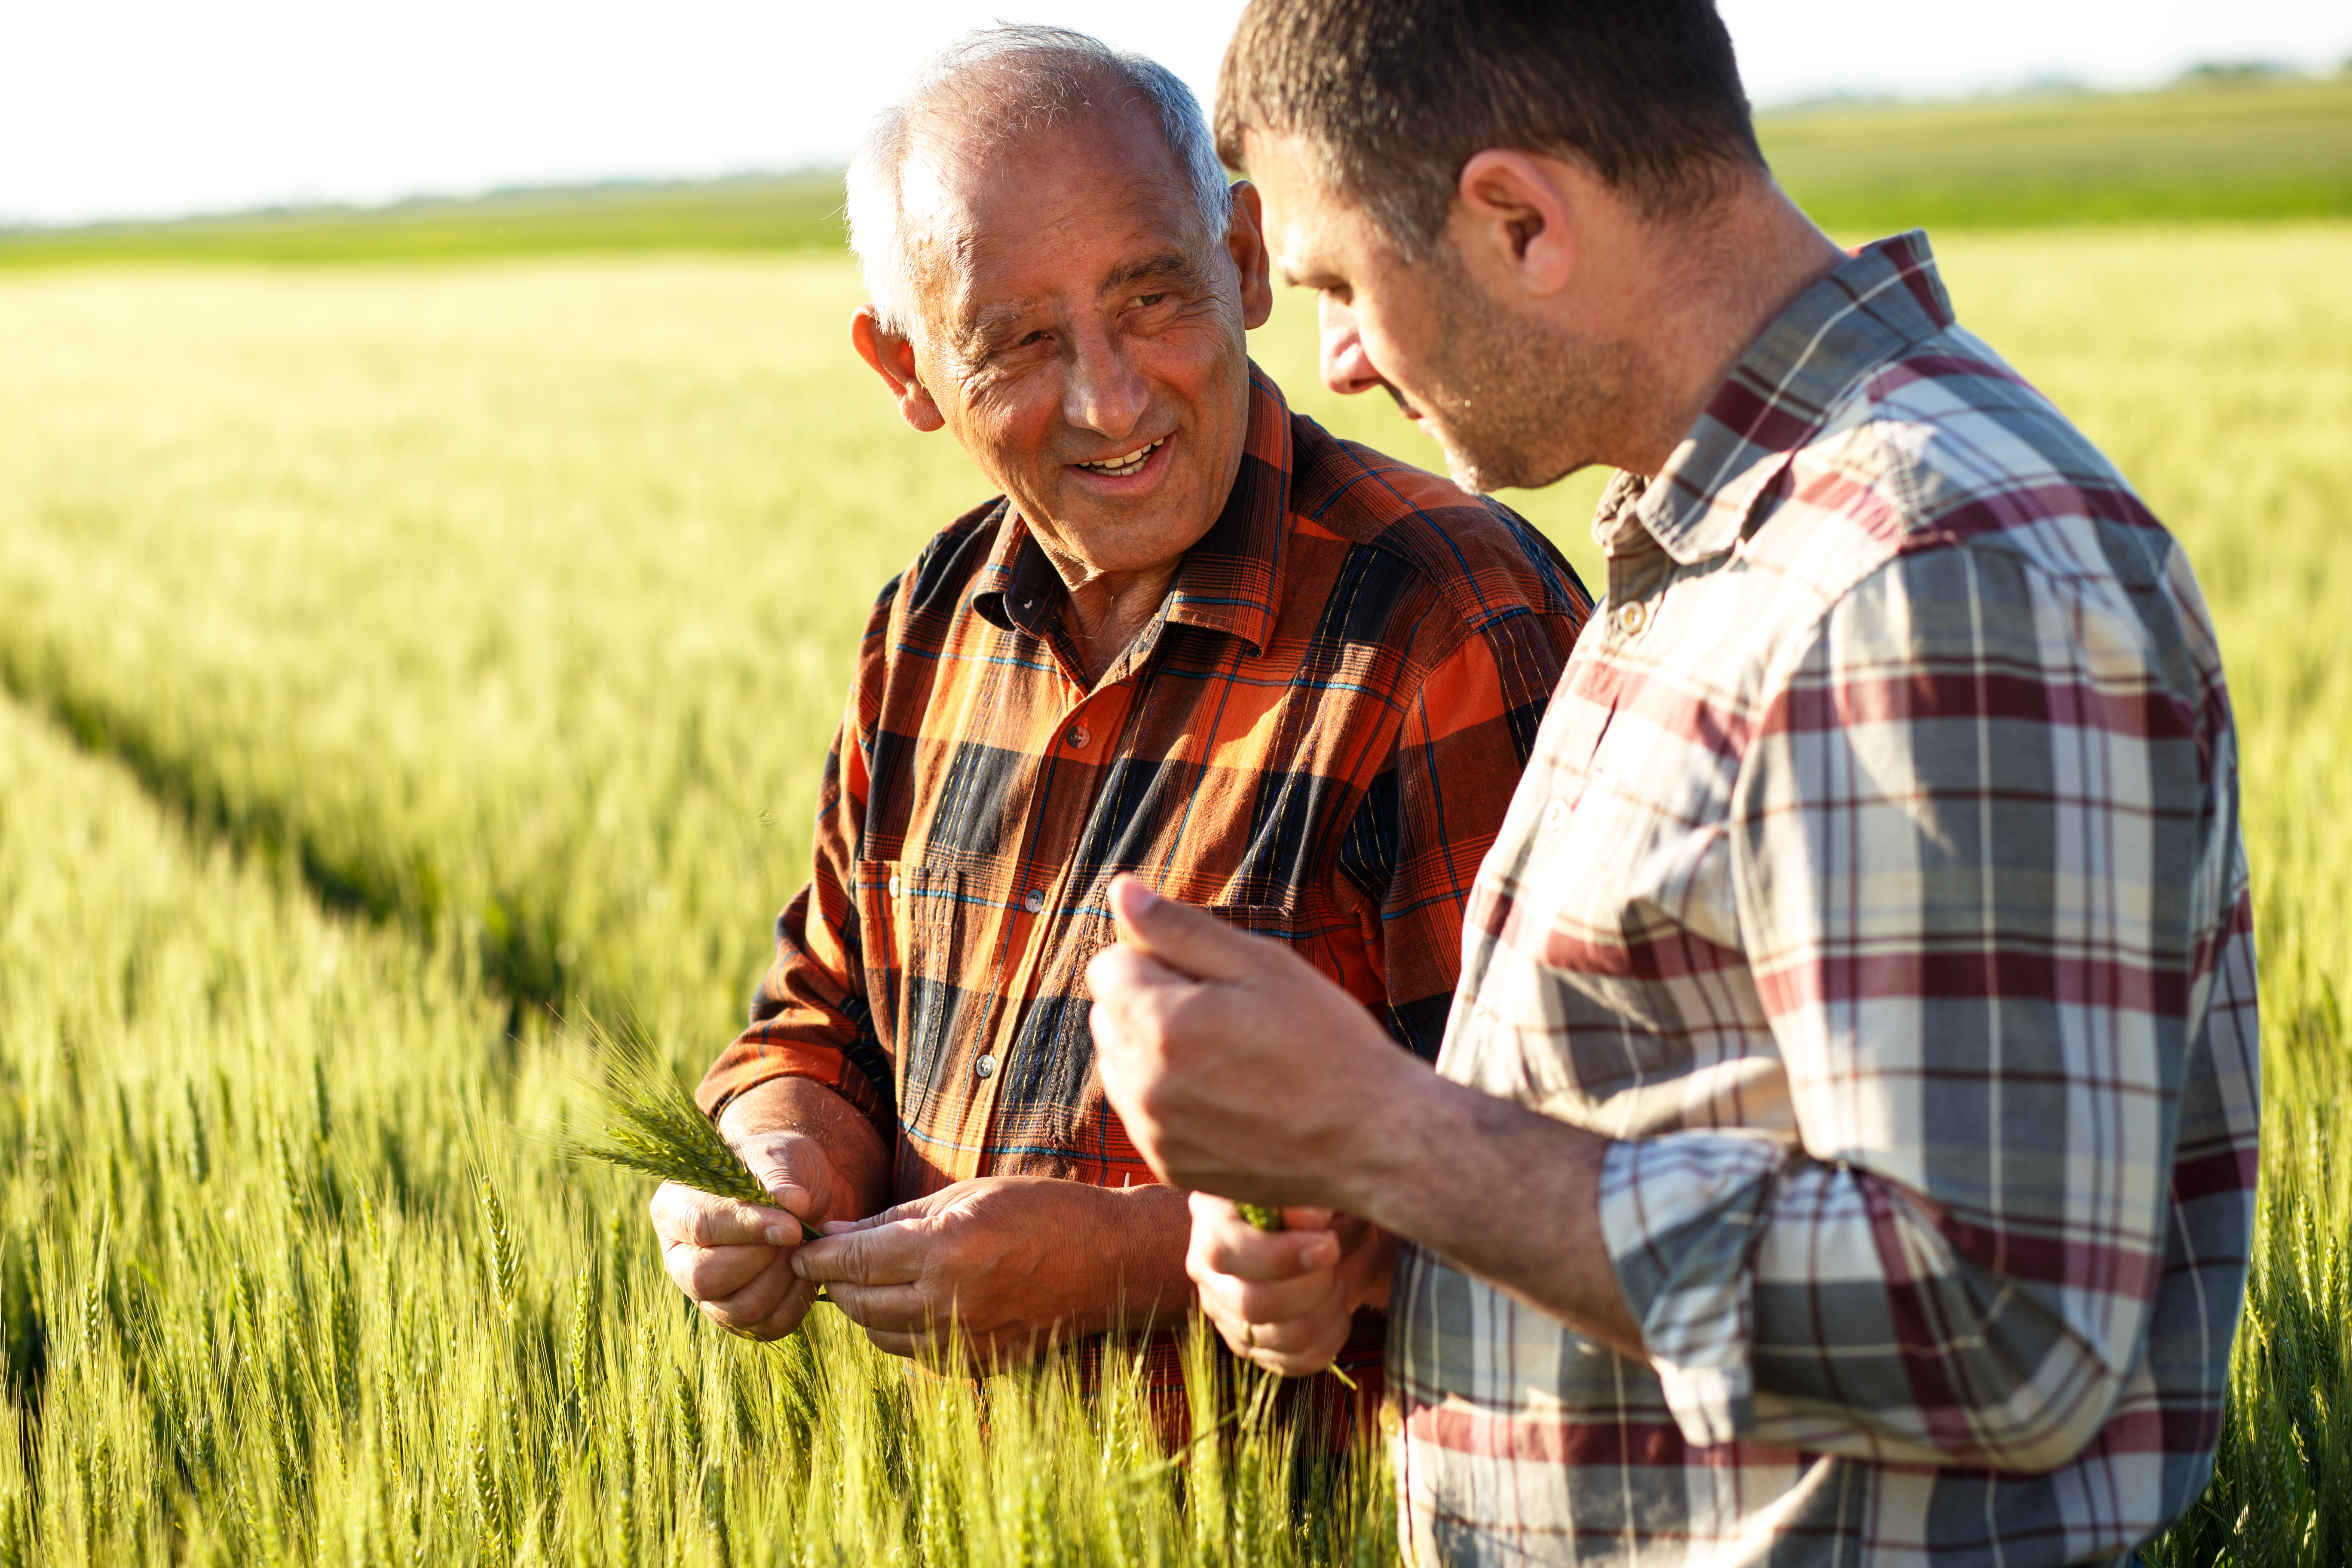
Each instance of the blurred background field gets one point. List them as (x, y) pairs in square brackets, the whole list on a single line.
[(2223, 145), (399, 649)]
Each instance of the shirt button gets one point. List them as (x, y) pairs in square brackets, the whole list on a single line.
[(894, 884), (984, 1067), (1633, 617), (1078, 737), (1555, 814), (1034, 902)]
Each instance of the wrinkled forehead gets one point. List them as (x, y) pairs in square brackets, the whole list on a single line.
[(990, 220)]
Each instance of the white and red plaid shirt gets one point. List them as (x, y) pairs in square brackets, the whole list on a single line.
[(1876, 881)]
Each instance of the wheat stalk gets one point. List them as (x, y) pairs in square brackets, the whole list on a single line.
[(640, 1118)]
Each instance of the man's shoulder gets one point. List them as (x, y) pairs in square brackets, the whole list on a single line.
[(1945, 446), (1469, 553), (950, 559)]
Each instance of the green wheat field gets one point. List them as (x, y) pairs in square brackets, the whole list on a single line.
[(400, 655)]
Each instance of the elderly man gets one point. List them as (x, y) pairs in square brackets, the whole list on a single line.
[(1197, 640), (1843, 1143)]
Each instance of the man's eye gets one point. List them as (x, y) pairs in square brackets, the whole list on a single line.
[(1036, 337), (1148, 301)]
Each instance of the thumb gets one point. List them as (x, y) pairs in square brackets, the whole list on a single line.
[(795, 1171), (1187, 939)]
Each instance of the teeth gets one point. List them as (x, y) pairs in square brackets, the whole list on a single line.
[(1127, 464)]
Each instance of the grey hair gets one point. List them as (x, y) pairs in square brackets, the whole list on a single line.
[(1005, 83)]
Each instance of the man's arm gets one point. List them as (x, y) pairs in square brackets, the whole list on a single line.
[(2003, 943), (1240, 1070), (1985, 859), (801, 1094)]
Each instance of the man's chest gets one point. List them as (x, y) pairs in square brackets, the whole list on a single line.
[(1005, 797)]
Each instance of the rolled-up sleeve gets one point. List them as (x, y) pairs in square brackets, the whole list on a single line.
[(1988, 877)]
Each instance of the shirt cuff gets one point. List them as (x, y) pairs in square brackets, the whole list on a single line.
[(1681, 1215), (738, 1071)]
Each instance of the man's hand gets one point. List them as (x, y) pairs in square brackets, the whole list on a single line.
[(734, 1260), (1240, 1070), (993, 1269), (1236, 1067), (1286, 1299)]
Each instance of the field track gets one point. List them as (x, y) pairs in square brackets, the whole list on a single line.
[(393, 652)]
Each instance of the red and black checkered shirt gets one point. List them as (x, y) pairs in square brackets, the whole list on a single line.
[(1316, 738)]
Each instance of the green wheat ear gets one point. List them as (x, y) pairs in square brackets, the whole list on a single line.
[(639, 1118)]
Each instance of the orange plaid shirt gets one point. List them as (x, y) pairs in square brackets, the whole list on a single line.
[(1316, 738)]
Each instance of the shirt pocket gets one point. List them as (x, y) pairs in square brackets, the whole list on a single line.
[(916, 933)]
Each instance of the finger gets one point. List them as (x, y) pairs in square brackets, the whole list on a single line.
[(1180, 936), (794, 1172), (709, 1273), (791, 1309), (1279, 1303), (760, 1302), (683, 1214), (919, 1209), (1309, 1358), (1231, 1245), (904, 1309), (1125, 972), (1300, 1340), (889, 1254)]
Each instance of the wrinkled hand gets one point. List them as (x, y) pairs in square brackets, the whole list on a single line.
[(1236, 1067), (1286, 1299), (734, 1260), (988, 1270)]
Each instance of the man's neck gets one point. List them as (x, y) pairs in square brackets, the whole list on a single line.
[(1107, 611), (1718, 282)]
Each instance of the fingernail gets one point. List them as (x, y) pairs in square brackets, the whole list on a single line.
[(1320, 1254), (779, 1234)]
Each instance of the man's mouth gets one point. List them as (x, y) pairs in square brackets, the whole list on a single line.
[(1119, 467)]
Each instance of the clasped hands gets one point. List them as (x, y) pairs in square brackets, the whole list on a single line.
[(989, 1270)]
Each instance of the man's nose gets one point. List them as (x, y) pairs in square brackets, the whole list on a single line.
[(1347, 368), (1106, 393)]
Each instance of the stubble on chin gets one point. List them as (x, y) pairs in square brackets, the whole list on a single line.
[(1516, 403)]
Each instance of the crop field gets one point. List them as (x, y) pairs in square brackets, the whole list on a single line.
[(394, 657)]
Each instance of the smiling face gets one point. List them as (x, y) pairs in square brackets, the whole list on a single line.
[(1080, 338), (1513, 398)]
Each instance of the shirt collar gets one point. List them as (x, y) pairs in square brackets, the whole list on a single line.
[(1874, 305), (1228, 581)]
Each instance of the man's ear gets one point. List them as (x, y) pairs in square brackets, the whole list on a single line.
[(1245, 242), (1517, 213), (893, 359)]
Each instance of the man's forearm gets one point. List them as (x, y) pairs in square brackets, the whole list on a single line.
[(1140, 1271), (1502, 1192), (859, 1159)]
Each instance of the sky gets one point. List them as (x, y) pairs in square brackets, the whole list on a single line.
[(142, 108)]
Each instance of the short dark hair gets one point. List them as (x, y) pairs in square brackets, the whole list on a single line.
[(1393, 97)]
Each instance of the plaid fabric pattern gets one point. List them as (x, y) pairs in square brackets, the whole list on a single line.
[(1315, 739), (1877, 882)]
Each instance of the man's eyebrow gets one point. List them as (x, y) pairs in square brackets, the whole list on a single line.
[(1173, 266), (991, 321)]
